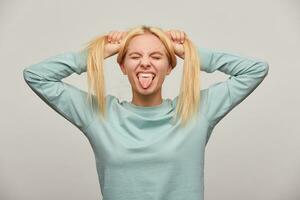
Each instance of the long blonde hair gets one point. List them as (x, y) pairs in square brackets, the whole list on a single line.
[(189, 94)]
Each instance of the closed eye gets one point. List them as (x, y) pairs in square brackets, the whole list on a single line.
[(156, 58)]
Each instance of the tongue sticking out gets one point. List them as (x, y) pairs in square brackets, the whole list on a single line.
[(145, 81)]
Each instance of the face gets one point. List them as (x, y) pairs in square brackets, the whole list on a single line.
[(146, 53)]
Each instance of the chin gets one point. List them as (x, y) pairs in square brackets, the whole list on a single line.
[(146, 92)]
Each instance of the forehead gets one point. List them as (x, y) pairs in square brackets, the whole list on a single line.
[(145, 43)]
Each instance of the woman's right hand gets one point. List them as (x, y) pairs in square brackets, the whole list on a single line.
[(113, 42)]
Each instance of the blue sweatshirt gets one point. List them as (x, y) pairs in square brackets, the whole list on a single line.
[(139, 153)]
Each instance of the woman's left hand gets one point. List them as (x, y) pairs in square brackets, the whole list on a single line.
[(178, 39)]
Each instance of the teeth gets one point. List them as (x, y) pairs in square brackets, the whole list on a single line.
[(145, 74)]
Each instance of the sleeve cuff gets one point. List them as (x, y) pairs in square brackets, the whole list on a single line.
[(205, 56), (81, 60)]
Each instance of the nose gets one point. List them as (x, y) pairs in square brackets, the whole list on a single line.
[(145, 62)]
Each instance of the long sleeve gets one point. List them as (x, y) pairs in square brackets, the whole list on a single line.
[(45, 79), (245, 75)]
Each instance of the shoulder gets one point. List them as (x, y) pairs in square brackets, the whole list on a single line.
[(203, 97), (112, 100)]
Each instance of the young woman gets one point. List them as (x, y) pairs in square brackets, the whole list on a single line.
[(151, 147)]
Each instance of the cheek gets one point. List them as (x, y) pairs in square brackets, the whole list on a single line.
[(131, 66), (163, 68), (163, 65)]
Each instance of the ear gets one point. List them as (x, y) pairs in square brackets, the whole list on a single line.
[(123, 68), (169, 69)]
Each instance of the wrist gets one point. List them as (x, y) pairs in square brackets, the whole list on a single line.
[(181, 56), (108, 54)]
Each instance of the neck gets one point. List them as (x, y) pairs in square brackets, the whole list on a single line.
[(147, 100)]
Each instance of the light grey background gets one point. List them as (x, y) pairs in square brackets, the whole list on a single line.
[(253, 152)]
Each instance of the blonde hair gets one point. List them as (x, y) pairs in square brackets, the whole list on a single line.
[(189, 94)]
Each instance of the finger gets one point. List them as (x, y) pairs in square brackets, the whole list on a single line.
[(177, 36), (119, 36), (114, 37), (168, 34), (109, 36), (173, 36), (182, 38)]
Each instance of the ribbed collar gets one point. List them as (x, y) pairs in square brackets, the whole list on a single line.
[(163, 108)]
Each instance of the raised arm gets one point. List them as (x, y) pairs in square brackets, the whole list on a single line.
[(45, 79), (245, 75)]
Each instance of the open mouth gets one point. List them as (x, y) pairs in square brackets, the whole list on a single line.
[(145, 75), (145, 79)]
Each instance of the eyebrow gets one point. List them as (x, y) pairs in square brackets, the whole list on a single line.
[(154, 52)]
